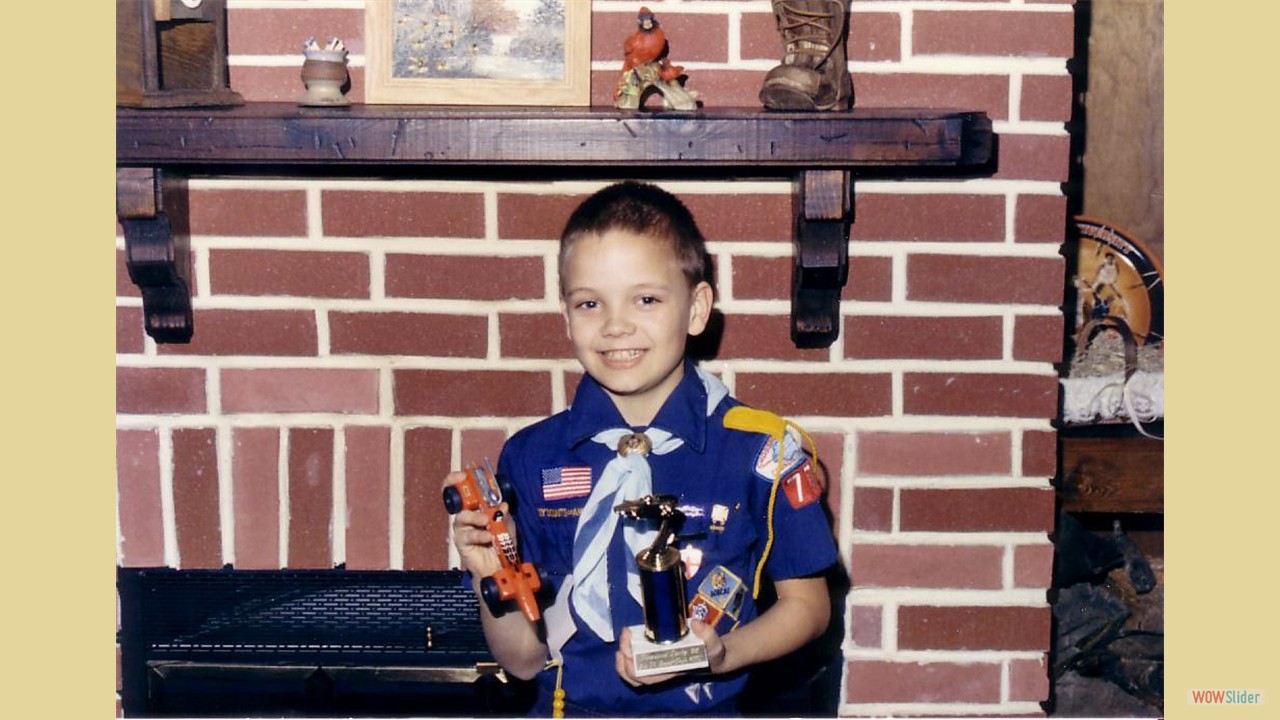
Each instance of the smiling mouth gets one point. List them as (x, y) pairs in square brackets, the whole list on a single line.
[(621, 356)]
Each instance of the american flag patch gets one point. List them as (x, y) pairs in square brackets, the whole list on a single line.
[(566, 482)]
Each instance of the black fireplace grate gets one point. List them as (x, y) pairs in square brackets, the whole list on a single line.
[(396, 618), (219, 621)]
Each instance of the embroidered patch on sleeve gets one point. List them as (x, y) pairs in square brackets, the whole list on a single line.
[(802, 486), (701, 608), (560, 483), (766, 465)]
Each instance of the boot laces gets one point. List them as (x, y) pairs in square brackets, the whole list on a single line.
[(809, 32)]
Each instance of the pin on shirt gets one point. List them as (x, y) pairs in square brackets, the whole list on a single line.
[(719, 516)]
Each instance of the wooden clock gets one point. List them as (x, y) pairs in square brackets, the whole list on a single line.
[(172, 53)]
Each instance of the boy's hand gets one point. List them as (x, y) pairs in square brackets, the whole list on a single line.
[(472, 538), (715, 656)]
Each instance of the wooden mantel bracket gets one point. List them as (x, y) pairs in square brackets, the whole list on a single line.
[(819, 151), (151, 205), (820, 267)]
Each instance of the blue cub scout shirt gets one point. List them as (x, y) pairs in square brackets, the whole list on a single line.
[(552, 466)]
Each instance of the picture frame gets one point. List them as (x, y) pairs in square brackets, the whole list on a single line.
[(478, 52)]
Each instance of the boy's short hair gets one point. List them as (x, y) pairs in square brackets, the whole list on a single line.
[(643, 209)]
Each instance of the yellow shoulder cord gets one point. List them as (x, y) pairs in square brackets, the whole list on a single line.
[(752, 420), (557, 697)]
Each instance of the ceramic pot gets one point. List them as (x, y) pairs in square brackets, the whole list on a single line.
[(323, 73)]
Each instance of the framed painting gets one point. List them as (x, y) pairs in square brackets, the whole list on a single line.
[(478, 52)]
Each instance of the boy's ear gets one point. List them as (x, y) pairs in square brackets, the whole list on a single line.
[(700, 307)]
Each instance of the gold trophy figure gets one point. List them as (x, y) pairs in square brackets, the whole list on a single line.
[(663, 644)]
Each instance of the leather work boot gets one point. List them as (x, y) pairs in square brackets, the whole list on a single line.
[(814, 74)]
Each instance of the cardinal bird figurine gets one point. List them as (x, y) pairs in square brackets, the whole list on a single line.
[(645, 65), (648, 44)]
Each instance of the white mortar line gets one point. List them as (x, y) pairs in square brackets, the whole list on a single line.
[(282, 490), (947, 424), (1007, 323), (921, 308), (1011, 219), (961, 6), (1016, 455), (951, 656), (338, 519), (386, 395), (848, 486), (395, 508), (975, 539), (168, 515), (285, 60), (1015, 96), (733, 49), (1007, 566), (422, 305), (889, 625), (200, 272), (493, 336), (296, 4), (957, 597), (895, 517), (898, 283), (906, 45), (559, 401), (724, 274), (898, 393), (323, 342), (314, 218), (377, 275), (995, 248), (226, 493), (932, 709), (399, 245)]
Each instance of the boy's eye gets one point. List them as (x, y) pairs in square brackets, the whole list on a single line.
[(587, 305), (649, 300)]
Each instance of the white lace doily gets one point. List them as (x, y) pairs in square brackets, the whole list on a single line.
[(1095, 389)]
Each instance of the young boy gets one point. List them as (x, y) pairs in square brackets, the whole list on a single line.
[(633, 269)]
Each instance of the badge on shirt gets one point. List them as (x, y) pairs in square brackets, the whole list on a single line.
[(802, 486), (720, 585), (569, 481), (793, 454), (719, 516), (720, 596)]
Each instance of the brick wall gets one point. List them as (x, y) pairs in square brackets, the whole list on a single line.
[(356, 339)]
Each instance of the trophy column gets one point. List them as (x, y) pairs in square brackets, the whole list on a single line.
[(663, 644)]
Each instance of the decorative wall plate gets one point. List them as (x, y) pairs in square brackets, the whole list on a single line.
[(1117, 278)]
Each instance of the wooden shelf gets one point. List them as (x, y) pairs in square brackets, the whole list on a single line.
[(1112, 474), (156, 149), (394, 135)]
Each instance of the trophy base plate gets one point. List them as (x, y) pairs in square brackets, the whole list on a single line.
[(651, 658)]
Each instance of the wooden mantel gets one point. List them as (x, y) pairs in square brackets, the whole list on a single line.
[(156, 149)]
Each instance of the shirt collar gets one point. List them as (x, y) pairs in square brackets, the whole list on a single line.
[(683, 414)]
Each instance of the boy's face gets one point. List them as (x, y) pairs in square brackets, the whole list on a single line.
[(629, 310)]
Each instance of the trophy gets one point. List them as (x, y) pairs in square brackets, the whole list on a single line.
[(663, 644)]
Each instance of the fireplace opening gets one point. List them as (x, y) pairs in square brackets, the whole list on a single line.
[(224, 643), (1108, 608), (341, 643)]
